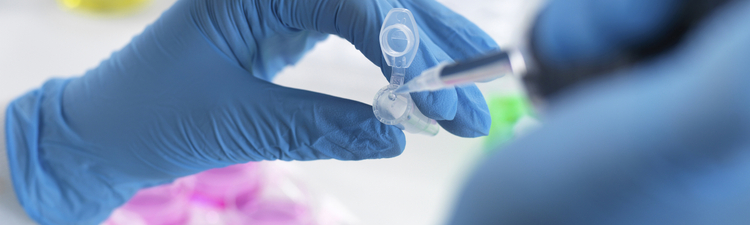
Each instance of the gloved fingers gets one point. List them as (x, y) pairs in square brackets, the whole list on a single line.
[(357, 21), (472, 115), (440, 104), (449, 31), (304, 125), (444, 36), (360, 21)]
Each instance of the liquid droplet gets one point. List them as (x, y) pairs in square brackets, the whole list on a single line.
[(392, 96)]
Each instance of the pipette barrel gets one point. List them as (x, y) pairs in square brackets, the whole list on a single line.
[(484, 68)]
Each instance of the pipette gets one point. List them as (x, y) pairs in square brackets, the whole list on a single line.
[(480, 69)]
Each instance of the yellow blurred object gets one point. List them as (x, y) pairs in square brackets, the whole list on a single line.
[(104, 6)]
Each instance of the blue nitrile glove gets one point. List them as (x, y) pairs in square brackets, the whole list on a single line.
[(580, 40), (574, 33), (192, 93), (665, 144)]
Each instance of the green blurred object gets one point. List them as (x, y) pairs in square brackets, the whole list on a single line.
[(104, 6), (505, 111)]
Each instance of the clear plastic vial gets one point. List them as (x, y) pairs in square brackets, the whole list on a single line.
[(399, 40), (399, 110)]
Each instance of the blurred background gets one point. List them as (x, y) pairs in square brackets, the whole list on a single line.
[(40, 39)]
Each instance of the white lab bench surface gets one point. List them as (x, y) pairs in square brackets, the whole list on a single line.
[(39, 40)]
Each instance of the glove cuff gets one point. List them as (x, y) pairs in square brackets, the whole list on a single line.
[(10, 209), (50, 193)]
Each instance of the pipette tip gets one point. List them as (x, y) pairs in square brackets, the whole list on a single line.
[(401, 90)]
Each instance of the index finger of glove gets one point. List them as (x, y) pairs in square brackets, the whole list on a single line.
[(357, 21)]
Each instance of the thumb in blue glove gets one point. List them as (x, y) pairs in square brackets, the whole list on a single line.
[(192, 93)]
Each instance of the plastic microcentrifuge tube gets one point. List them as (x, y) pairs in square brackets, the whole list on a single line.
[(399, 40)]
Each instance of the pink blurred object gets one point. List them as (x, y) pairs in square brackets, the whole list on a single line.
[(245, 194), (271, 212), (163, 205), (214, 187), (281, 201), (124, 217)]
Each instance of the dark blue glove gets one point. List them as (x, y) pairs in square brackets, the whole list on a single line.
[(667, 143), (192, 93), (574, 41)]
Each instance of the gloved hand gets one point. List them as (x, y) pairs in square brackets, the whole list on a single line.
[(192, 93), (665, 143), (574, 41)]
